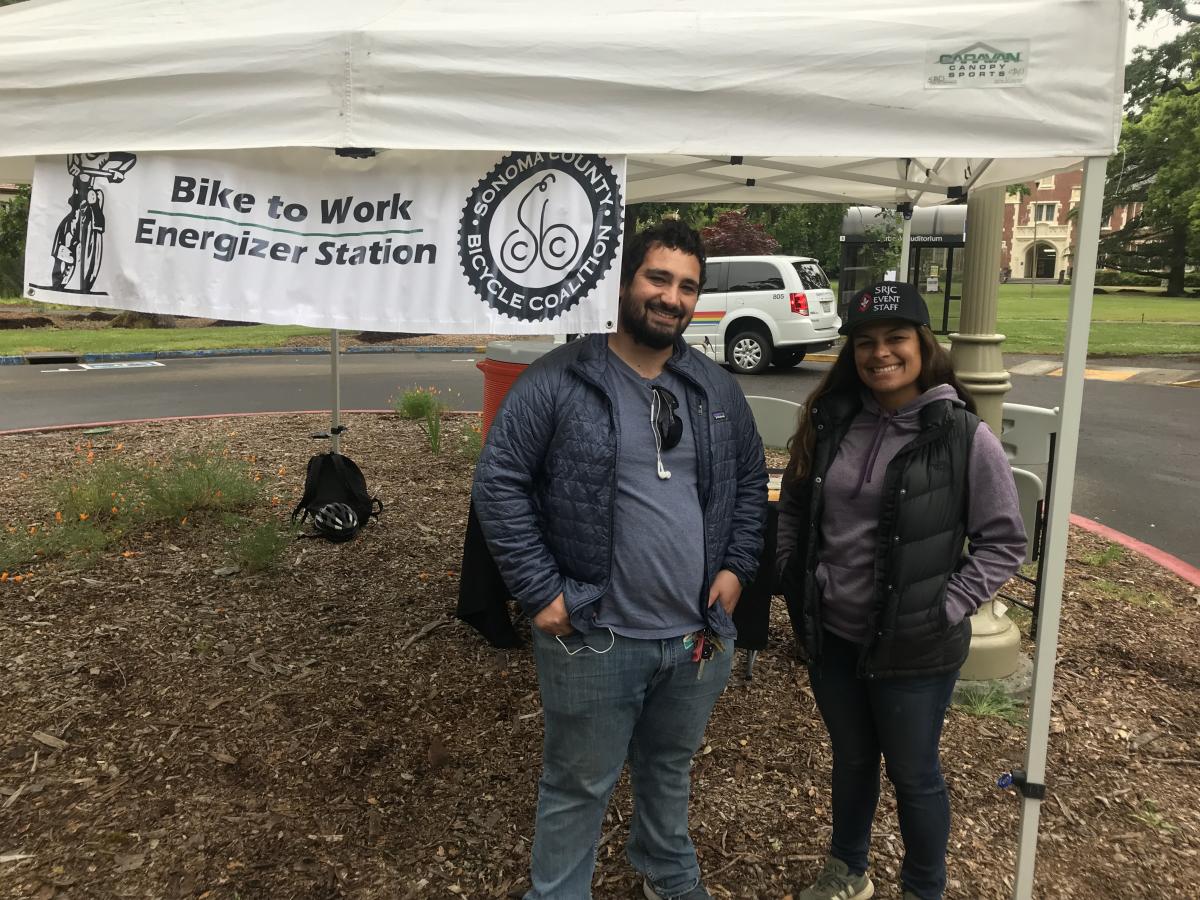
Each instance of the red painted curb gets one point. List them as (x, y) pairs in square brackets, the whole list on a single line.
[(1172, 564), (39, 429)]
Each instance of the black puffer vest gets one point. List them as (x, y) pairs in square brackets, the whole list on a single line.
[(922, 524)]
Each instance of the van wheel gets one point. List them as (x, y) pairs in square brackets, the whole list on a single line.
[(749, 353), (787, 359)]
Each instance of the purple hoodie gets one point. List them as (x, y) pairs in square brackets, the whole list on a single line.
[(850, 519)]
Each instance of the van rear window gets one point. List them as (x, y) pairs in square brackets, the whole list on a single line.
[(811, 276), (747, 275)]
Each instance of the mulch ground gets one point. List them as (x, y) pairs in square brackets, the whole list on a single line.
[(169, 728)]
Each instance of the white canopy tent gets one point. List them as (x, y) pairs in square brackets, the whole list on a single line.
[(866, 101)]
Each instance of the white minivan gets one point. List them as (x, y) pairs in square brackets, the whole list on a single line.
[(758, 310)]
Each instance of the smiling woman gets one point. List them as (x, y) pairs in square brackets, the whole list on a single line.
[(873, 513), (888, 359)]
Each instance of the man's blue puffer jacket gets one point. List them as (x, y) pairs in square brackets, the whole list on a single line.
[(545, 486)]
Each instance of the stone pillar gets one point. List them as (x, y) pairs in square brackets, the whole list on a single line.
[(975, 349)]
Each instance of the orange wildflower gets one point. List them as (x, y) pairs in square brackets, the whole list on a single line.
[(17, 579), (3, 576), (58, 517), (83, 517)]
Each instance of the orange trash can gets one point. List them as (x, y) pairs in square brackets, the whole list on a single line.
[(503, 364)]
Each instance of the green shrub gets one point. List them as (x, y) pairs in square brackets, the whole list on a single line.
[(991, 701), (96, 492), (417, 403), (1112, 277), (1101, 558), (471, 442), (195, 482), (17, 550), (433, 429), (261, 548), (99, 501)]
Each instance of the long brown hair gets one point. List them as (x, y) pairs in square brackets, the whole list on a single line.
[(936, 368)]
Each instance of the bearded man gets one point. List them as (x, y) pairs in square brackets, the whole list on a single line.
[(622, 492)]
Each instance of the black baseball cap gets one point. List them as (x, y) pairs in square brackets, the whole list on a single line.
[(886, 300)]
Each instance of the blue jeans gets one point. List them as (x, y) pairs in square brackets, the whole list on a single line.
[(900, 718), (644, 700)]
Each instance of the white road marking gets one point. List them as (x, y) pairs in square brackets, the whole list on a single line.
[(131, 364)]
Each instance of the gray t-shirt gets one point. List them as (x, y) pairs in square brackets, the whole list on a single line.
[(658, 530)]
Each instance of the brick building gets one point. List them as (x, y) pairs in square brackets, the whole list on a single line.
[(1038, 234)]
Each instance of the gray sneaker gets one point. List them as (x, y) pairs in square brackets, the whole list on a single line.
[(697, 893), (836, 883)]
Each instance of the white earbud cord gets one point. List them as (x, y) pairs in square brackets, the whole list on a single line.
[(654, 405)]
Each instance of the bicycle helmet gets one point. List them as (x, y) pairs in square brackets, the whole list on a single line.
[(336, 521)]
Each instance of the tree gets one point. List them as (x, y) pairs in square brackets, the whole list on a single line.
[(1171, 67), (14, 220), (805, 229), (802, 229), (734, 234), (1156, 165)]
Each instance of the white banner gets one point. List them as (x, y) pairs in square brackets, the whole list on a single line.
[(461, 242)]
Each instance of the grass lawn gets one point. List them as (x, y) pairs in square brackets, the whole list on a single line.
[(1146, 324), (137, 340), (1122, 324)]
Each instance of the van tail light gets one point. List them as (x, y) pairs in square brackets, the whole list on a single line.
[(799, 303)]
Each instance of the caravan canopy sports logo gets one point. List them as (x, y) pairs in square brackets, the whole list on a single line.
[(540, 231), (981, 64)]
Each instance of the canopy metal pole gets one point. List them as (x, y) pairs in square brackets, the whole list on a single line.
[(335, 414), (905, 240), (1055, 552)]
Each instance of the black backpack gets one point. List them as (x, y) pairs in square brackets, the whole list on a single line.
[(333, 478)]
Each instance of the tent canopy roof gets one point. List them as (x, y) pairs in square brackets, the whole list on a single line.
[(827, 103)]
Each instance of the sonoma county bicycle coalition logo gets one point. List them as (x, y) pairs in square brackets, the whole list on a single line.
[(539, 232)]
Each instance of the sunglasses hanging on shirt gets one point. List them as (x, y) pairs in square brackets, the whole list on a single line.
[(667, 427)]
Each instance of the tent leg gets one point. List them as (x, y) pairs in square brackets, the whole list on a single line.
[(1066, 447), (905, 245), (336, 411)]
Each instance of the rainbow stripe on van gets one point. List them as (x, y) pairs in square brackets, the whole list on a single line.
[(708, 318)]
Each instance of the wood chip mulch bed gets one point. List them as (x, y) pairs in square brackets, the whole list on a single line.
[(171, 729)]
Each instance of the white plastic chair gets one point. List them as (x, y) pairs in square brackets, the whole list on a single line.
[(775, 419), (1030, 494), (1026, 432)]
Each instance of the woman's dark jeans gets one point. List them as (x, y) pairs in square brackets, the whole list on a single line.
[(900, 718)]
